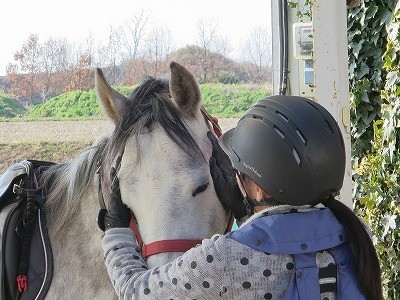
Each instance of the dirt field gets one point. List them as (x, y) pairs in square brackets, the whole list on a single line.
[(51, 131), (63, 131), (57, 141)]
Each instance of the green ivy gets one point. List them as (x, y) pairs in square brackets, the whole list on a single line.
[(374, 49), (303, 10), (374, 60), (367, 43)]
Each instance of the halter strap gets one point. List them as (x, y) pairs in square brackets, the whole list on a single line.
[(163, 246), (213, 120)]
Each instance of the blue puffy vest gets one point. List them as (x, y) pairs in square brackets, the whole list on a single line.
[(302, 234)]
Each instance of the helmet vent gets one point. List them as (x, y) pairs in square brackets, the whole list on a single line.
[(327, 122), (296, 157), (310, 102), (279, 132), (258, 117), (301, 136), (282, 116), (329, 125)]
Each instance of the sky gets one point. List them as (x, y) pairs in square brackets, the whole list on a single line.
[(77, 19)]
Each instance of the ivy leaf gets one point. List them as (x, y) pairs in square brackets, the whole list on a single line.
[(363, 70), (375, 39), (368, 118), (389, 222), (393, 31), (354, 33), (392, 78), (384, 16), (371, 11), (356, 47)]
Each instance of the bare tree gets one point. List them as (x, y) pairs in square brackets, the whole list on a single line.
[(159, 45), (133, 42), (23, 75), (56, 67), (257, 51), (210, 41), (111, 54), (89, 48), (82, 75), (132, 35), (206, 31), (222, 45)]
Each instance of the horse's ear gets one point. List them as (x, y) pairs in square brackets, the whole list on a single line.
[(184, 89), (111, 100)]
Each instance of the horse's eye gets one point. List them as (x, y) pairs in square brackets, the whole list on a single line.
[(200, 189)]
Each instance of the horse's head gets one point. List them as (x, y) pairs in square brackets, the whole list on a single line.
[(164, 174)]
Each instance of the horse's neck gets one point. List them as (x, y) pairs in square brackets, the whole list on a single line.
[(79, 270)]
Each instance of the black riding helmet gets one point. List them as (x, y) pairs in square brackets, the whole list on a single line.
[(291, 147)]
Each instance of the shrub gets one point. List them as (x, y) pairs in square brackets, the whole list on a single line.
[(10, 108)]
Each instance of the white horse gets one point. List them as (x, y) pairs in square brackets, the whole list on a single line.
[(164, 178)]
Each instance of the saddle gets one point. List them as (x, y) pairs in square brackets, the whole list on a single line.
[(26, 261)]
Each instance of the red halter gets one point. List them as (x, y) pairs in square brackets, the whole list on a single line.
[(176, 245), (167, 245)]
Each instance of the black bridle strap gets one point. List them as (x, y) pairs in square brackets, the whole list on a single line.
[(114, 176)]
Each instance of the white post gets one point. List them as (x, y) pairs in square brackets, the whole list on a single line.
[(275, 46), (331, 81)]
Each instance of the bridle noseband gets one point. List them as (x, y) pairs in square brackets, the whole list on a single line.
[(181, 245)]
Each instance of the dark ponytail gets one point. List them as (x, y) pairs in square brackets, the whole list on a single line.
[(367, 263)]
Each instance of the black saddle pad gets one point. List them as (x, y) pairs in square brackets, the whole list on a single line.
[(40, 258)]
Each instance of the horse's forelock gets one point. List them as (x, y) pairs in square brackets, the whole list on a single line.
[(149, 104)]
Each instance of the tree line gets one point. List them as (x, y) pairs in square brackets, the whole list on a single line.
[(41, 70)]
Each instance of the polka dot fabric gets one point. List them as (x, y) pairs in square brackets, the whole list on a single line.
[(220, 268)]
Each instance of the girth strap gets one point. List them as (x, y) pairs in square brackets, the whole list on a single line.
[(24, 230)]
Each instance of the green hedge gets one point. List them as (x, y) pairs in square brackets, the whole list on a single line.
[(10, 108), (227, 100), (219, 99)]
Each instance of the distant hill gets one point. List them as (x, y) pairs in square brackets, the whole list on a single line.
[(75, 104), (224, 100), (10, 108)]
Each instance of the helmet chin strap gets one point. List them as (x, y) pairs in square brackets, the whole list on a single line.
[(251, 203)]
